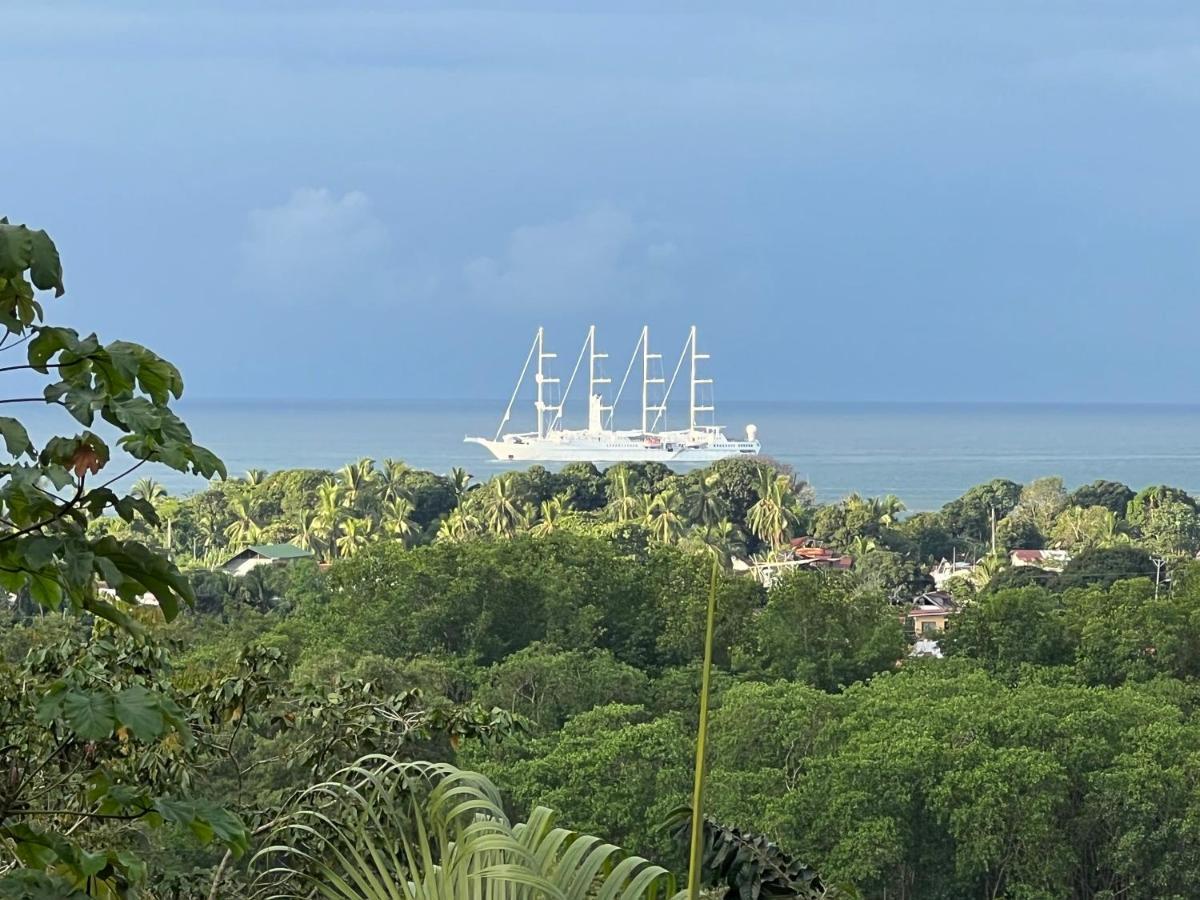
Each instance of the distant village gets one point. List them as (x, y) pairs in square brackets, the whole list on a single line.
[(925, 614)]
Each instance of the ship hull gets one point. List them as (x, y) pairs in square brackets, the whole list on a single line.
[(604, 451)]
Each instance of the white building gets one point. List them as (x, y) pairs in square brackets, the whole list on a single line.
[(945, 570), (263, 555)]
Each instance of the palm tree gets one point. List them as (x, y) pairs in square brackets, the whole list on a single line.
[(357, 478), (391, 480), (208, 523), (255, 477), (330, 510), (244, 529), (356, 534), (703, 504), (984, 570), (623, 507), (551, 516), (771, 517), (889, 509), (722, 540), (460, 483), (862, 545), (1078, 528), (663, 516), (149, 490), (396, 520), (383, 829), (458, 526), (307, 533), (502, 511)]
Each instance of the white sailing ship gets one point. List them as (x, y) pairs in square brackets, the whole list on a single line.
[(599, 442)]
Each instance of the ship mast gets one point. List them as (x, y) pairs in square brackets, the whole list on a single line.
[(697, 407), (542, 380), (596, 407), (647, 407)]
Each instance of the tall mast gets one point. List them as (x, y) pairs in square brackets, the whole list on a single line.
[(593, 379), (543, 380), (647, 407), (695, 406)]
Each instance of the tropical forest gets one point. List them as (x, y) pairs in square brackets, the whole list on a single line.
[(384, 682)]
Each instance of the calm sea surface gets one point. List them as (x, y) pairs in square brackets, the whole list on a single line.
[(924, 453)]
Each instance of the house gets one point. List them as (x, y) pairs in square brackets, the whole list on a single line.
[(928, 613), (925, 648), (945, 570), (768, 572), (263, 555), (1042, 559)]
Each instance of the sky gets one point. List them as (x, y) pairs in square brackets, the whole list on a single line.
[(916, 200)]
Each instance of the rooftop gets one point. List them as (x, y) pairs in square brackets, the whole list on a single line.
[(278, 551)]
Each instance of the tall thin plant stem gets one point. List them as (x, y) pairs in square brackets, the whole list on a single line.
[(702, 745)]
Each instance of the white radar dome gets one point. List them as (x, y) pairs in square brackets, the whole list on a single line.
[(752, 432)]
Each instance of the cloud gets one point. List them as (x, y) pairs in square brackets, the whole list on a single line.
[(315, 246), (602, 254)]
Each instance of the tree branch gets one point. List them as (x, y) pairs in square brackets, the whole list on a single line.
[(38, 526), (137, 465)]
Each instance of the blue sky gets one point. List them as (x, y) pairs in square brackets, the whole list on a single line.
[(888, 201)]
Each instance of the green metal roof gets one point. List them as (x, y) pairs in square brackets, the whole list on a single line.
[(280, 551)]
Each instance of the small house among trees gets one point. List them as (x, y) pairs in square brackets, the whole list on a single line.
[(262, 555)]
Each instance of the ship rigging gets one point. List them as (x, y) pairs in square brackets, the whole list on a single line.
[(600, 442)]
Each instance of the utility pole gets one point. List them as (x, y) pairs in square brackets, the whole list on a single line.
[(1159, 562)]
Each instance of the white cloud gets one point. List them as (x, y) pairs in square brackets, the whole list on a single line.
[(603, 254), (317, 245)]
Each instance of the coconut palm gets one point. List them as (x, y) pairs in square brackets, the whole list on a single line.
[(244, 529), (458, 526), (722, 540), (460, 483), (383, 829), (552, 514), (396, 520), (664, 518), (331, 509), (703, 504), (502, 508), (771, 517), (1078, 528), (888, 509), (624, 504), (391, 479), (355, 534), (357, 478), (985, 569), (148, 489), (862, 545), (306, 532), (208, 524)]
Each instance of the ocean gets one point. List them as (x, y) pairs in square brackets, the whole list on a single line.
[(925, 453)]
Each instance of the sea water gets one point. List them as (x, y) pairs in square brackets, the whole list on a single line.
[(925, 453)]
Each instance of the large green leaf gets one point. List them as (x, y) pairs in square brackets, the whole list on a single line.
[(16, 249), (138, 710), (16, 438), (45, 267), (90, 714)]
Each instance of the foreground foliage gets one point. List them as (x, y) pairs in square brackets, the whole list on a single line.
[(77, 719), (383, 829)]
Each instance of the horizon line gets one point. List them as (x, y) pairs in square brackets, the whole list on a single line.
[(362, 400)]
